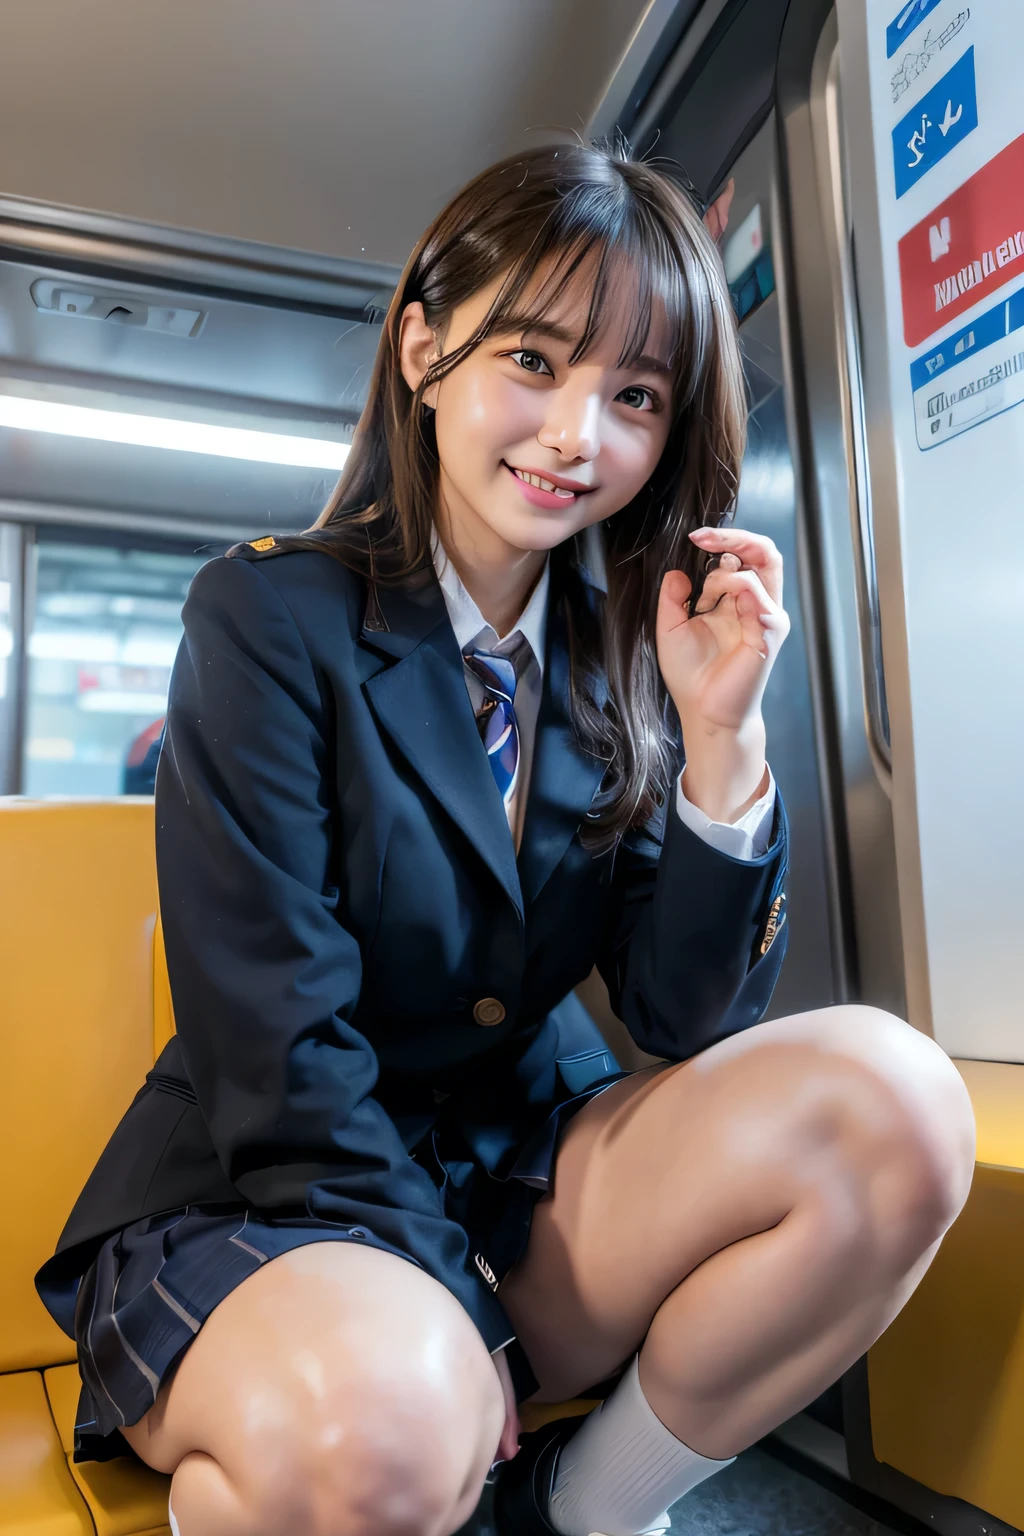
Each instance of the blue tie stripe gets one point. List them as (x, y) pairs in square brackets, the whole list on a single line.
[(497, 720)]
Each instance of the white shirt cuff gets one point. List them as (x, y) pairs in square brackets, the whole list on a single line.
[(747, 838)]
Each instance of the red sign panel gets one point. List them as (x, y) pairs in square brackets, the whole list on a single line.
[(966, 248)]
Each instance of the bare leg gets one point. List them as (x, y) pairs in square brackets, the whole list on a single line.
[(339, 1391), (753, 1218)]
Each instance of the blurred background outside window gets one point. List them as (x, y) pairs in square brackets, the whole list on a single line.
[(107, 622)]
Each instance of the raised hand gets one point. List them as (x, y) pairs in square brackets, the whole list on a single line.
[(715, 665)]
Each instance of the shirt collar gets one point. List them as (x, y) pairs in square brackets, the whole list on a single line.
[(472, 630)]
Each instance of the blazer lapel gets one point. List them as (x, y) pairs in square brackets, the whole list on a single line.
[(423, 705), (564, 778)]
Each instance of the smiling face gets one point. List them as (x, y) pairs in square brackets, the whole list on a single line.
[(533, 446)]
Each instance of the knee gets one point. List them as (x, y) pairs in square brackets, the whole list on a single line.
[(414, 1473), (900, 1116), (404, 1455)]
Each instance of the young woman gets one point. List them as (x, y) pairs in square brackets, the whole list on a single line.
[(423, 769)]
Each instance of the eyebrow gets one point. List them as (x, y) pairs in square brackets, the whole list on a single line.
[(561, 333)]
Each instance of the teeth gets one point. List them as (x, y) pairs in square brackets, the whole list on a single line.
[(544, 485)]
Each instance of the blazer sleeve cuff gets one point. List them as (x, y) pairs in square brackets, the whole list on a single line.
[(746, 838)]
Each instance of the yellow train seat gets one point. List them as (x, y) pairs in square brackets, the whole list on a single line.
[(946, 1380), (77, 924), (38, 1496), (81, 960)]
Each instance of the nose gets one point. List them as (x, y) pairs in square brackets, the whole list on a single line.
[(572, 423)]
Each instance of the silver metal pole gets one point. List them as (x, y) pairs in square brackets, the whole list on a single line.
[(15, 544)]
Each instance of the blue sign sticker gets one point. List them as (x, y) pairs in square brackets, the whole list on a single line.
[(911, 15), (981, 368), (941, 120)]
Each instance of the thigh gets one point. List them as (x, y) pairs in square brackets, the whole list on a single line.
[(329, 1355), (676, 1163)]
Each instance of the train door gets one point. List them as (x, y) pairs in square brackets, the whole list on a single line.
[(763, 92)]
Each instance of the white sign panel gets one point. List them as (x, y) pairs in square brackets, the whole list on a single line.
[(934, 113)]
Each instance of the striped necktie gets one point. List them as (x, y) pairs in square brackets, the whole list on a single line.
[(496, 718)]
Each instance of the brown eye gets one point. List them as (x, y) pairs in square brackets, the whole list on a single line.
[(637, 398), (531, 362)]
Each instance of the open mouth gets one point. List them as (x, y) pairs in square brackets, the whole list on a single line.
[(548, 493)]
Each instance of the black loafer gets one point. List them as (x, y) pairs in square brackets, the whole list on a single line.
[(522, 1489)]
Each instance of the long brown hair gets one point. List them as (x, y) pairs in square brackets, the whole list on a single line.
[(539, 218)]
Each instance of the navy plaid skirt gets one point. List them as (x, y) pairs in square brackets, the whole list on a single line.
[(153, 1284)]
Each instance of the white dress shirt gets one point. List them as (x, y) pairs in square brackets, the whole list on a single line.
[(746, 838)]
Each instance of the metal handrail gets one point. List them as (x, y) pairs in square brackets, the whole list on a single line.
[(855, 428), (77, 239)]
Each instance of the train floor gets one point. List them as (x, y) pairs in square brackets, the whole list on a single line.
[(768, 1491)]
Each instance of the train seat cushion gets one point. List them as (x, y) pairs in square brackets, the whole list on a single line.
[(77, 916), (946, 1379), (124, 1497), (38, 1496)]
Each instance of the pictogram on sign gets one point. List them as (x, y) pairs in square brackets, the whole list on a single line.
[(941, 120), (909, 16), (920, 56)]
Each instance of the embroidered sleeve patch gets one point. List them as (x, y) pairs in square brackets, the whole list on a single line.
[(776, 918)]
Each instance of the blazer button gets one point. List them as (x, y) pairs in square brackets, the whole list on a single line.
[(488, 1011)]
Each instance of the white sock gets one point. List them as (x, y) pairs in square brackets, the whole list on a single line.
[(171, 1520), (622, 1470)]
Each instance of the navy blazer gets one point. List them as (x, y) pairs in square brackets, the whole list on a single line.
[(345, 918)]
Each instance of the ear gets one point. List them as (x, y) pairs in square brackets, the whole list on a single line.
[(417, 349)]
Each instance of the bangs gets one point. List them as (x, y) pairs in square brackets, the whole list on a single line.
[(589, 246), (599, 251)]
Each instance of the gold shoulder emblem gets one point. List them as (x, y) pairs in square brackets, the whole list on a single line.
[(259, 545), (776, 918)]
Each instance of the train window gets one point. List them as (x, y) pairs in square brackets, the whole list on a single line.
[(747, 248), (106, 625), (748, 264)]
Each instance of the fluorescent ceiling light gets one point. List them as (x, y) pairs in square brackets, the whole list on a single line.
[(163, 432)]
